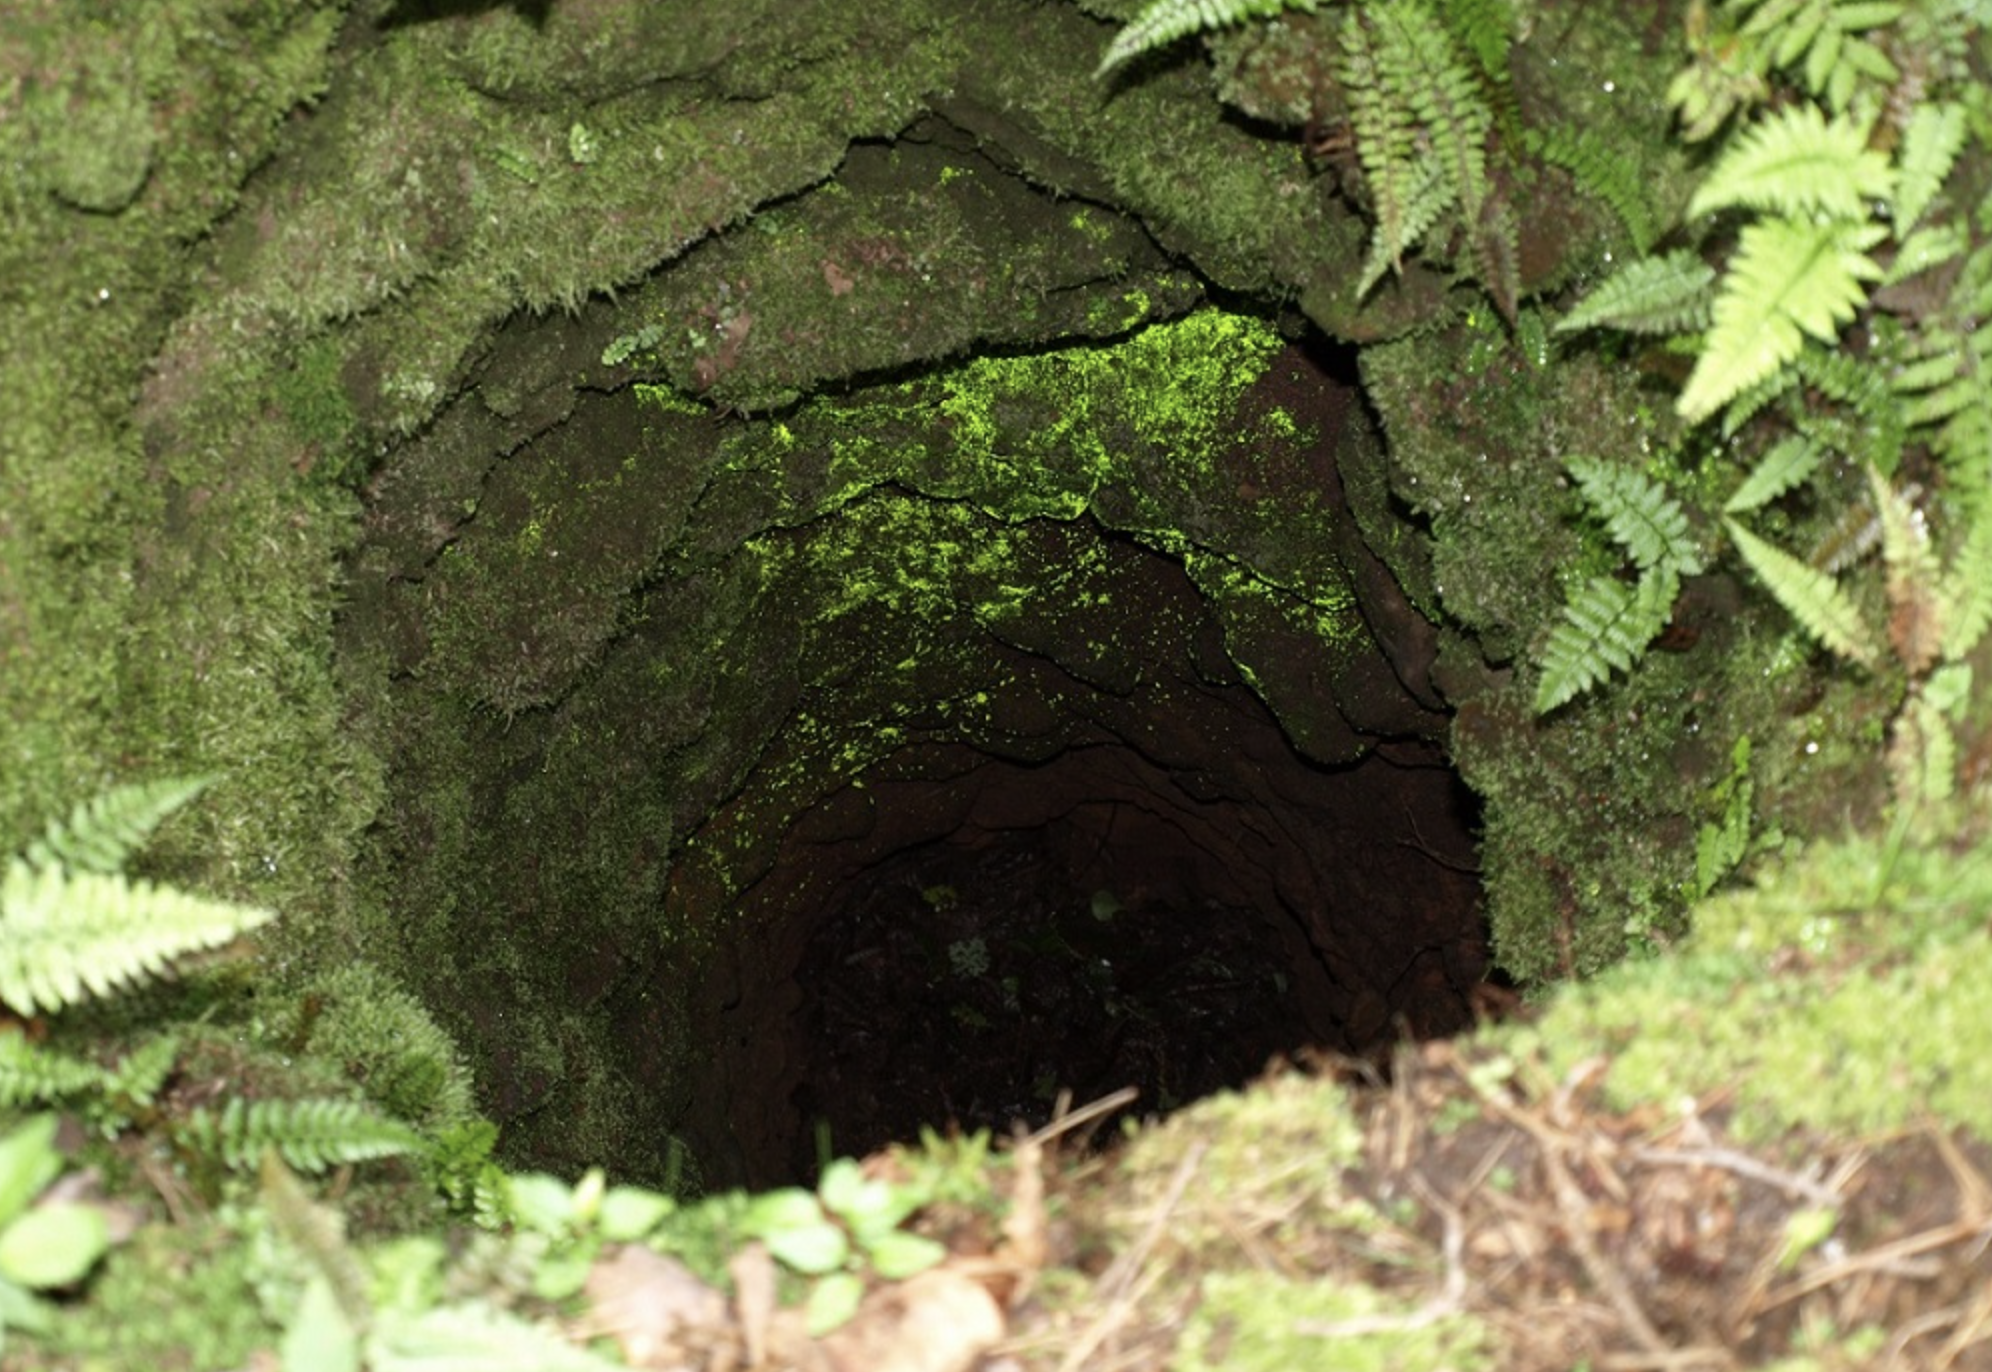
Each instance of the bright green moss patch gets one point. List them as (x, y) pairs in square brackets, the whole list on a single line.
[(1836, 993), (1259, 1322)]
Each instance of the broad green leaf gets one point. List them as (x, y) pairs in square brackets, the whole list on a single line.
[(320, 1338), (28, 1162), (832, 1302), (474, 1337), (630, 1212), (53, 1245), (541, 1203), (896, 1255)]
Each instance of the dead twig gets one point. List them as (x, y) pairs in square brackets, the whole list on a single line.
[(1450, 1301), (1063, 1122), (1118, 1283), (1743, 1165), (1877, 1259)]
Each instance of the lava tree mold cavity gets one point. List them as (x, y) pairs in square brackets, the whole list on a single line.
[(1035, 722)]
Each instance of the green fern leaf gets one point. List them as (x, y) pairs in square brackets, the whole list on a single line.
[(1409, 202), (1601, 171), (31, 1074), (1788, 463), (67, 935), (1926, 249), (1796, 164), (1421, 123), (144, 1070), (475, 1335), (1860, 386), (1165, 21), (101, 833), (1605, 628), (310, 1135), (1915, 630), (1922, 755), (1651, 295), (1814, 599), (1421, 63), (1965, 596), (1486, 30), (1641, 516), (1929, 149), (1787, 279)]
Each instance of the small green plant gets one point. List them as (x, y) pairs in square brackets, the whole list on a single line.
[(42, 1246), (850, 1223), (1721, 844)]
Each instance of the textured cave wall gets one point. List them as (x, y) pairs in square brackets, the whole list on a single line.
[(332, 310), (664, 647)]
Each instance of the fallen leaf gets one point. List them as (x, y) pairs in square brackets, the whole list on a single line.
[(647, 1303), (940, 1321)]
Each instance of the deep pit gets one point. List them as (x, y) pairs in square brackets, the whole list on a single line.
[(912, 756)]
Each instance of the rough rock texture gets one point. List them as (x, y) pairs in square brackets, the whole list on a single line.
[(549, 469)]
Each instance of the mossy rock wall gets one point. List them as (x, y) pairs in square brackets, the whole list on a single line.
[(486, 442)]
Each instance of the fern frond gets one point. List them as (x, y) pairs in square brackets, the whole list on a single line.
[(1927, 248), (1827, 34), (1922, 755), (1814, 599), (1943, 376), (1797, 164), (1408, 205), (1639, 513), (1486, 30), (1165, 21), (1860, 386), (101, 833), (1788, 463), (1930, 146), (1787, 279), (64, 934), (1420, 62), (1497, 245), (144, 1070), (33, 1075), (318, 1232), (1605, 628), (1742, 407), (1651, 295), (1421, 123), (310, 1135), (1915, 625), (1966, 592), (1602, 172)]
